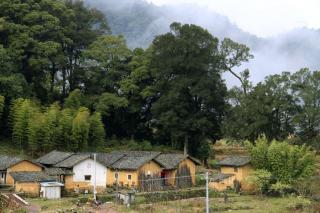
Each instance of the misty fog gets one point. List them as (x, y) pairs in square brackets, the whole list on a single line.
[(140, 22)]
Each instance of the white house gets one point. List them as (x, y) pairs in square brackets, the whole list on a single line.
[(84, 172)]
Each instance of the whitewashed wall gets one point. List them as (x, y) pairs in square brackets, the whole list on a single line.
[(87, 168)]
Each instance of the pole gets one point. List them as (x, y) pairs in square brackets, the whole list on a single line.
[(95, 178), (207, 192)]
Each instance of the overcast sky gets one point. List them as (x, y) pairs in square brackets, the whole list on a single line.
[(262, 17)]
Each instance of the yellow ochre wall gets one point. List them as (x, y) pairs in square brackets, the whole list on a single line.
[(241, 175), (171, 174), (151, 166), (70, 184), (23, 166), (222, 185), (32, 188)]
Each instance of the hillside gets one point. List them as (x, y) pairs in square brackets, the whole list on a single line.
[(140, 22)]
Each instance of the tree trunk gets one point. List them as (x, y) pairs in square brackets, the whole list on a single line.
[(186, 142), (53, 73)]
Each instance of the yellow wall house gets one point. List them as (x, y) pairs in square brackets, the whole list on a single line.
[(29, 182), (234, 169), (10, 164), (133, 168), (178, 168)]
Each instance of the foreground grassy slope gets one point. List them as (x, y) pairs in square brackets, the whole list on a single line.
[(236, 203)]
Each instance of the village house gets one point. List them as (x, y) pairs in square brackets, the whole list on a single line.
[(30, 182), (177, 166), (51, 159), (10, 165), (234, 171), (120, 168), (83, 170), (131, 170)]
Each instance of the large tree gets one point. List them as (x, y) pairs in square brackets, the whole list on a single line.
[(190, 92)]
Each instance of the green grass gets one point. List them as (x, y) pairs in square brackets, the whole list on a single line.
[(238, 204), (53, 205)]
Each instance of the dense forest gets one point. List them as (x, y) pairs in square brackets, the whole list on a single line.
[(68, 83)]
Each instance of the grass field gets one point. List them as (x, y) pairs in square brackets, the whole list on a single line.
[(236, 203)]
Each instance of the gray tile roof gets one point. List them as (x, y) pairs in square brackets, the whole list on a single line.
[(57, 171), (31, 177), (107, 159), (235, 161), (73, 160), (131, 162), (53, 157), (220, 177), (137, 153), (7, 161), (171, 161)]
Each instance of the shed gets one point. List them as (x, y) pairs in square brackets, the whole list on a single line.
[(50, 190)]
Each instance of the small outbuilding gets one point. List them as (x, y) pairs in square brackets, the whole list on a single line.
[(234, 172), (50, 190), (29, 182)]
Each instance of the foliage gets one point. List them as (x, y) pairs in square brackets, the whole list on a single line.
[(54, 128), (282, 106), (80, 130), (261, 179), (279, 164), (286, 162), (96, 131), (74, 100), (190, 92)]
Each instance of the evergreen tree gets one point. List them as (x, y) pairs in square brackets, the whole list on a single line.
[(23, 111), (65, 129), (96, 132), (51, 125), (74, 100), (80, 130)]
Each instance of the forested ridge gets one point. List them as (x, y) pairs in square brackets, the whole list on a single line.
[(68, 83)]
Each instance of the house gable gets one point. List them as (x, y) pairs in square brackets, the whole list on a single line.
[(84, 172), (22, 166)]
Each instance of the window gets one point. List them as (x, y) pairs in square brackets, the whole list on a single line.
[(87, 177), (235, 169), (129, 177)]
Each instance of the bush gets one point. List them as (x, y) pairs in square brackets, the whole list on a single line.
[(261, 179), (106, 198), (308, 187), (200, 180), (285, 162), (173, 195), (213, 164)]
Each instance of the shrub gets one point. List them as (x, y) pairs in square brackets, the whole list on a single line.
[(285, 162), (280, 188), (213, 164), (106, 198), (200, 180), (173, 195), (261, 179)]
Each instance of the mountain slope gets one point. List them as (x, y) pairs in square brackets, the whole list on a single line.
[(140, 22)]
